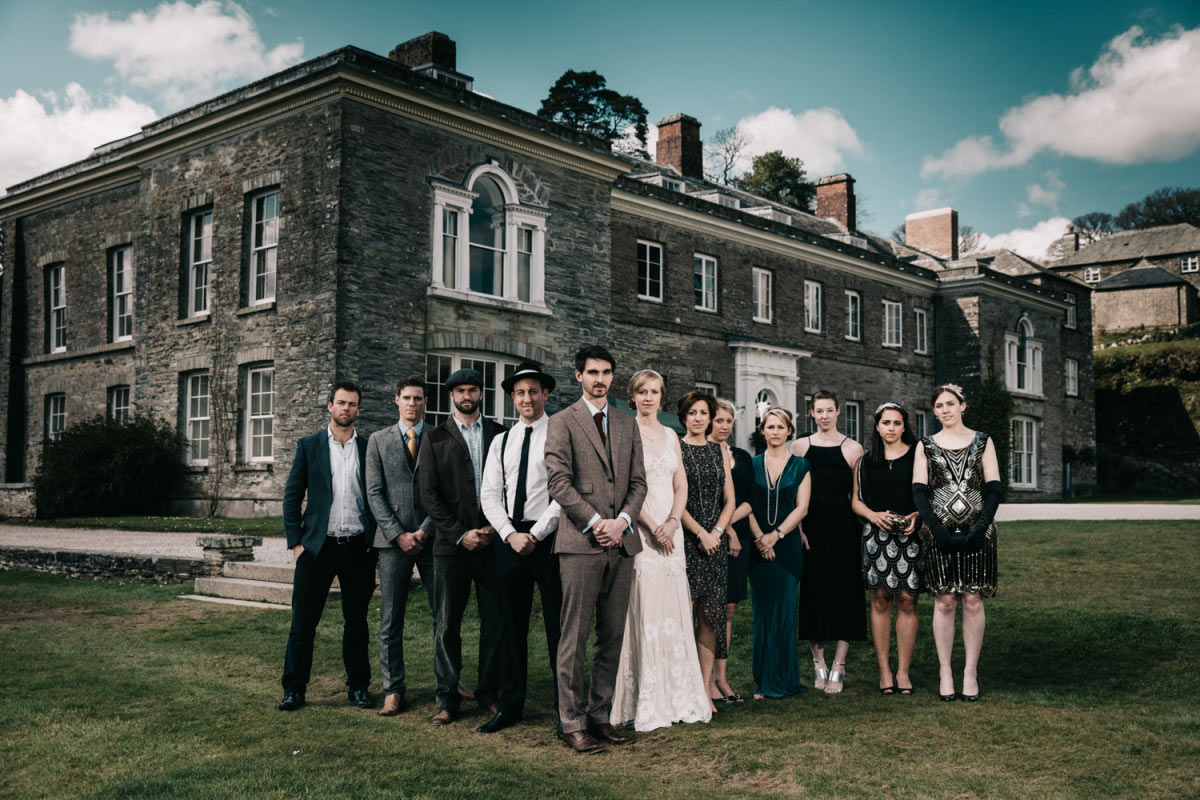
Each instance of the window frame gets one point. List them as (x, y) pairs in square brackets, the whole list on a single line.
[(191, 381), (762, 295), (853, 419), (1023, 353), (56, 308), (456, 201), (1070, 319), (920, 423), (1071, 377), (920, 331), (639, 261), (121, 285), (890, 306), (1091, 274), (269, 250), (708, 388), (55, 416), (813, 317), (251, 436), (703, 293), (1024, 431), (853, 315), (115, 411), (1189, 263), (194, 262)]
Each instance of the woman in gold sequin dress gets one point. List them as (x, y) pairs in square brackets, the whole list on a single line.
[(956, 489)]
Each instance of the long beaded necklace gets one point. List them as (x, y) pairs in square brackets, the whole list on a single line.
[(773, 486), (711, 509)]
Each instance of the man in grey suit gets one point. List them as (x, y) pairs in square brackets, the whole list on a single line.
[(404, 532), (595, 472)]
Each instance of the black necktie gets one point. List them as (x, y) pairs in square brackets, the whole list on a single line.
[(522, 474)]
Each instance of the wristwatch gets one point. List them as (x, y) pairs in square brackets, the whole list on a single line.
[(780, 533)]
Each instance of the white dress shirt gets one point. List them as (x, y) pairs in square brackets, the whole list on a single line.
[(538, 505), (346, 511)]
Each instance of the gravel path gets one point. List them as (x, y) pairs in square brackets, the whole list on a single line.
[(274, 549)]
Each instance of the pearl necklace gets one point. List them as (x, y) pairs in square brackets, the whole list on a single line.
[(773, 486)]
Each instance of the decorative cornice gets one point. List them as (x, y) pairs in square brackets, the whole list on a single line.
[(666, 213), (987, 285)]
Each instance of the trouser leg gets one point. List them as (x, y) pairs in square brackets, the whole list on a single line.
[(581, 576), (515, 579), (491, 626), (610, 632), (549, 584), (356, 577), (452, 583), (395, 579), (310, 589)]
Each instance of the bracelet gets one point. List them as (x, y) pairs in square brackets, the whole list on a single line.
[(718, 529)]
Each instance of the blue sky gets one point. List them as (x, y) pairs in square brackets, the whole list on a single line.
[(1018, 114)]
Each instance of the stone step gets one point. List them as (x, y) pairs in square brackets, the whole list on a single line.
[(244, 589), (255, 571), (231, 602)]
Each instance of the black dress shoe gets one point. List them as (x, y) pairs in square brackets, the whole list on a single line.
[(360, 698), (499, 721), (558, 731), (291, 701), (607, 733)]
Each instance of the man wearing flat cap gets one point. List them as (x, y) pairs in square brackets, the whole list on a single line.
[(450, 473), (516, 500)]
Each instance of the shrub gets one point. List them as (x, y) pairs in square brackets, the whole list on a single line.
[(99, 467), (991, 411)]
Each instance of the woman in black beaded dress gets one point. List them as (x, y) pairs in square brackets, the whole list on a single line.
[(893, 563), (741, 540), (832, 604), (707, 514), (956, 488)]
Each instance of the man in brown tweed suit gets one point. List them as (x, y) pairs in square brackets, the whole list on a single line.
[(595, 472)]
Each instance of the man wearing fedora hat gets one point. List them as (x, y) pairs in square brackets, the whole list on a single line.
[(516, 500), (450, 473)]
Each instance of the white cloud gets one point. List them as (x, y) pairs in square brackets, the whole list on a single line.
[(1138, 102), (820, 137), (1043, 194), (184, 52), (1029, 242), (929, 198), (37, 136)]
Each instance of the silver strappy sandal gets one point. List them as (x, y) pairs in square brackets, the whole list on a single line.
[(837, 677), (822, 674)]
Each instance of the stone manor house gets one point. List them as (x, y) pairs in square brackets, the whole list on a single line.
[(361, 217)]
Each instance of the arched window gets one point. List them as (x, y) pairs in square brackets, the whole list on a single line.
[(482, 225), (763, 401), (1023, 359)]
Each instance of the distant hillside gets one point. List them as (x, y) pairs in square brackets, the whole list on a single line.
[(1148, 411)]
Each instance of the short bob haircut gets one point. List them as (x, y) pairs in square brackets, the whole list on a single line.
[(943, 389), (783, 414), (690, 399), (640, 379)]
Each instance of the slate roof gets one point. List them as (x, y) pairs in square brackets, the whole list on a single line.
[(1132, 245), (1143, 276), (1016, 265)]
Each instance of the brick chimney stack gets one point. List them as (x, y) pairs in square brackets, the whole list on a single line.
[(933, 231), (436, 49), (835, 200), (679, 145), (1070, 240)]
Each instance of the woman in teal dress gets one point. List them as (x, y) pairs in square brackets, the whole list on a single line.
[(778, 501)]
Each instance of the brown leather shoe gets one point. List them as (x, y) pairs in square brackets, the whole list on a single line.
[(582, 742), (607, 733), (393, 704), (442, 717)]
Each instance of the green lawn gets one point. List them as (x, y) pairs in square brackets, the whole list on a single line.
[(1088, 680)]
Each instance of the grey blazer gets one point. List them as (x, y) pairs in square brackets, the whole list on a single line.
[(393, 491), (588, 477)]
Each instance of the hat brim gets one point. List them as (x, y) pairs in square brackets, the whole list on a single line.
[(548, 382)]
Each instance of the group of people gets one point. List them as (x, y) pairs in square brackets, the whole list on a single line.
[(618, 521)]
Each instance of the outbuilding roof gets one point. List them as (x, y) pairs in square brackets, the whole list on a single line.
[(1142, 276), (1132, 245)]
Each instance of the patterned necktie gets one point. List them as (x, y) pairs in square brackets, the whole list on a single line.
[(600, 426), (411, 435)]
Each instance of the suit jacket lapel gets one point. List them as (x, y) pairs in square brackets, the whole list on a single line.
[(589, 428), (361, 443), (322, 457)]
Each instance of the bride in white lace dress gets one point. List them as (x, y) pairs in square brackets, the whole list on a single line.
[(658, 679)]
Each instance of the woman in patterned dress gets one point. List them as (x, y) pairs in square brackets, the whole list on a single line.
[(741, 540), (892, 559), (956, 488), (658, 676), (707, 514)]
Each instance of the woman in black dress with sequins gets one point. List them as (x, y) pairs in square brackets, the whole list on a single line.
[(707, 514), (893, 561), (832, 604), (956, 488), (741, 540)]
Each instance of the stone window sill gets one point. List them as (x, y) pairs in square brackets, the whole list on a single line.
[(181, 323), (258, 309), (507, 304), (64, 355), (257, 466)]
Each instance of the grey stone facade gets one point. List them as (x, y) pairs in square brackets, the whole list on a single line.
[(365, 156)]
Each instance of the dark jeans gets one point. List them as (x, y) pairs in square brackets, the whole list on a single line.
[(395, 580), (354, 567), (453, 576), (517, 575)]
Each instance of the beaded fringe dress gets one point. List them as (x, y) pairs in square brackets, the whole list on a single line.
[(956, 494)]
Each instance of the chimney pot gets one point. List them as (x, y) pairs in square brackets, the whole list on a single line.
[(835, 200), (679, 145), (933, 231)]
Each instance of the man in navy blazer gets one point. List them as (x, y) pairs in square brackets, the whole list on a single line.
[(332, 537)]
